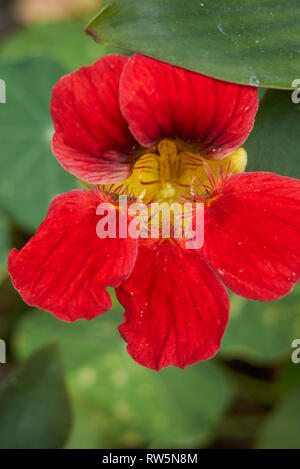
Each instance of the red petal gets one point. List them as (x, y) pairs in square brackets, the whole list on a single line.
[(65, 267), (252, 235), (110, 169), (91, 133), (160, 100), (176, 308)]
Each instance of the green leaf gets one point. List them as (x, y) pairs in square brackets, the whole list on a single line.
[(254, 42), (30, 177), (274, 143), (34, 407), (132, 404), (262, 331), (89, 423), (289, 376), (281, 430), (63, 41), (4, 243)]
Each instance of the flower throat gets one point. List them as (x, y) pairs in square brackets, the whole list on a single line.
[(173, 171)]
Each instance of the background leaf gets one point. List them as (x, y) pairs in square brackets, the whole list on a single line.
[(30, 176), (34, 407), (131, 404), (63, 41), (274, 144), (254, 42), (262, 331), (281, 430), (4, 243)]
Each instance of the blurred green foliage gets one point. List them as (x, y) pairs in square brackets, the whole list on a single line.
[(281, 429), (34, 408), (262, 332), (274, 144), (4, 244), (173, 408), (30, 176), (64, 41)]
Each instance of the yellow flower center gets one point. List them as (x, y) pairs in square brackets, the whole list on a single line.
[(173, 171)]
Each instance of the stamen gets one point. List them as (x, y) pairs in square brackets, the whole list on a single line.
[(220, 174), (209, 174), (228, 172)]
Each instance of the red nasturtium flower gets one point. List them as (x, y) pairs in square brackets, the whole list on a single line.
[(165, 133)]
